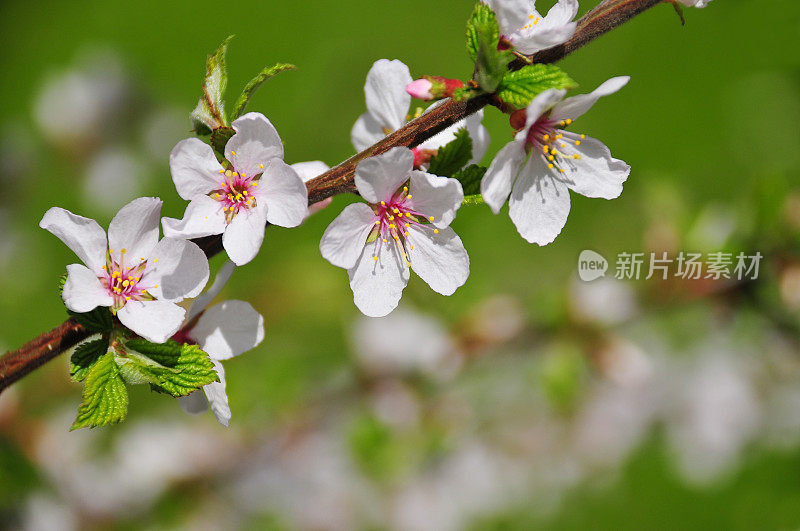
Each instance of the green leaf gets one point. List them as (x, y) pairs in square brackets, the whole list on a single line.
[(474, 199), (210, 111), (220, 137), (174, 368), (470, 179), (61, 281), (105, 398), (85, 356), (453, 156), (253, 85), (519, 88), (481, 26), (491, 66), (98, 320)]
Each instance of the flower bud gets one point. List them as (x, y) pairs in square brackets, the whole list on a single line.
[(433, 87), (420, 89)]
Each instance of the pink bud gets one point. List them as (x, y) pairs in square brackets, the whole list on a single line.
[(420, 89)]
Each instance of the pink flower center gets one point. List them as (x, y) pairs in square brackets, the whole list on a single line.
[(235, 192), (125, 282), (394, 217), (545, 137)]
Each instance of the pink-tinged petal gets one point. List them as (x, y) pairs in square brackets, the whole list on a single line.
[(244, 235), (178, 268), (228, 329), (193, 403), (511, 14), (539, 203), (309, 170), (439, 259), (385, 90), (366, 131), (284, 193), (155, 321), (256, 142), (420, 89), (202, 300), (595, 173), (194, 168), (218, 397), (499, 178), (135, 228), (435, 196), (539, 105), (82, 290), (378, 284), (576, 106), (345, 237), (378, 177), (202, 217), (83, 235)]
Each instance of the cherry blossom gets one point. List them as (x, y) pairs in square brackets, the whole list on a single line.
[(237, 199), (523, 28), (404, 226), (544, 161), (133, 273)]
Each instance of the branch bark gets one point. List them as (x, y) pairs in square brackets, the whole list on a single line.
[(606, 16)]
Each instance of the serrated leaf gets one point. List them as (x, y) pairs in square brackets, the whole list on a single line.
[(254, 84), (98, 320), (491, 66), (210, 111), (61, 281), (453, 156), (85, 356), (520, 87), (470, 179), (177, 369), (482, 25), (105, 398)]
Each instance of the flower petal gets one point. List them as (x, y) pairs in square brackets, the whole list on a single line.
[(366, 131), (135, 227), (511, 14), (378, 177), (439, 197), (385, 90), (539, 105), (202, 300), (596, 173), (83, 235), (560, 14), (439, 259), (576, 106), (554, 29), (539, 203), (227, 329), (155, 321), (496, 184), (202, 217), (345, 237), (178, 267), (256, 141), (194, 403), (83, 291), (284, 194), (243, 237), (194, 168), (309, 170), (378, 284), (217, 397)]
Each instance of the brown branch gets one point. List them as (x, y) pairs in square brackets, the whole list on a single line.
[(608, 15)]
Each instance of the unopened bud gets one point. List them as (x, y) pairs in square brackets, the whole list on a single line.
[(433, 87), (517, 119), (422, 156)]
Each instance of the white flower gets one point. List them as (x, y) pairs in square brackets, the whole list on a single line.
[(238, 200), (137, 276), (403, 226), (694, 3), (223, 331), (544, 161), (310, 170), (522, 27), (388, 104)]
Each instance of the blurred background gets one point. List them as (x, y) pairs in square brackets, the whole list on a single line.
[(529, 399)]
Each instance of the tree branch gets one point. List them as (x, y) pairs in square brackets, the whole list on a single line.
[(608, 15)]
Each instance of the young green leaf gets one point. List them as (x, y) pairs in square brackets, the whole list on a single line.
[(98, 320), (177, 369), (482, 25), (470, 179), (453, 156), (105, 398), (85, 356), (254, 84), (517, 89), (210, 111), (491, 66)]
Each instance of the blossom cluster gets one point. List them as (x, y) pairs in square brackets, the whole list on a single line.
[(236, 188)]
